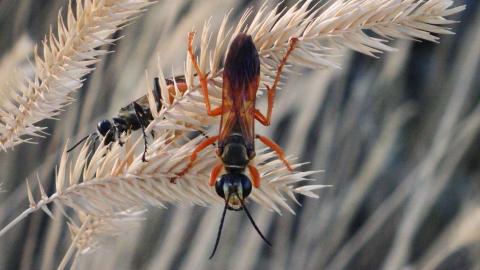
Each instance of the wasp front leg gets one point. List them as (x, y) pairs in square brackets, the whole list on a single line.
[(140, 114), (214, 173), (271, 91), (276, 148), (119, 127), (255, 175), (203, 79), (193, 156)]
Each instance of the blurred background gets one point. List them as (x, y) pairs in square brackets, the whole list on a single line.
[(398, 138)]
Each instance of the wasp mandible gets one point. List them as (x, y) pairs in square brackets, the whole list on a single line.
[(236, 145)]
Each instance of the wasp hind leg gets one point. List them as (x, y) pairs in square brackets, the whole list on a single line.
[(203, 79), (140, 114), (265, 120), (276, 148), (193, 156)]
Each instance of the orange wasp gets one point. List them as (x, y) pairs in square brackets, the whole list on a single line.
[(236, 145)]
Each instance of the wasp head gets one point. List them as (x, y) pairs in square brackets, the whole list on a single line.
[(234, 188), (106, 129)]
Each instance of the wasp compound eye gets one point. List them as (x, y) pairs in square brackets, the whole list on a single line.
[(219, 187), (104, 126), (246, 186)]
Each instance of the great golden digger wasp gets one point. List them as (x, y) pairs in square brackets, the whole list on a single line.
[(236, 145), (134, 116)]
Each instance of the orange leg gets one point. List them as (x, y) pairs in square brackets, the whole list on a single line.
[(265, 120), (275, 147), (214, 173), (261, 118), (193, 157), (202, 77), (255, 175)]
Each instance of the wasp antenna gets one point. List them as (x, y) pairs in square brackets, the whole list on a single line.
[(219, 229), (253, 223), (78, 143)]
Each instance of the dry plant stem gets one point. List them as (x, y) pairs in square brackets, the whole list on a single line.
[(342, 24), (72, 246), (53, 237), (66, 58), (372, 168), (402, 192), (424, 195), (443, 143), (24, 214), (75, 260), (347, 203), (462, 231)]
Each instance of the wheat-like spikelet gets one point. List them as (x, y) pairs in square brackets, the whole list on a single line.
[(114, 182), (67, 57), (324, 31), (97, 229), (343, 24)]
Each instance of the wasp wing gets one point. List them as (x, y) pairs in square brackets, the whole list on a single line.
[(238, 112), (246, 113)]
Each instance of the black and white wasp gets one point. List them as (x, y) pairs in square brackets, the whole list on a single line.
[(134, 116)]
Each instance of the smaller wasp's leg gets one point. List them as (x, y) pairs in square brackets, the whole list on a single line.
[(157, 94), (119, 126), (214, 173), (203, 79), (193, 157), (109, 136), (265, 120), (275, 147), (139, 113), (119, 136), (255, 175)]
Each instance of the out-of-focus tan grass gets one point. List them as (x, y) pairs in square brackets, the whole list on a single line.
[(398, 138)]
